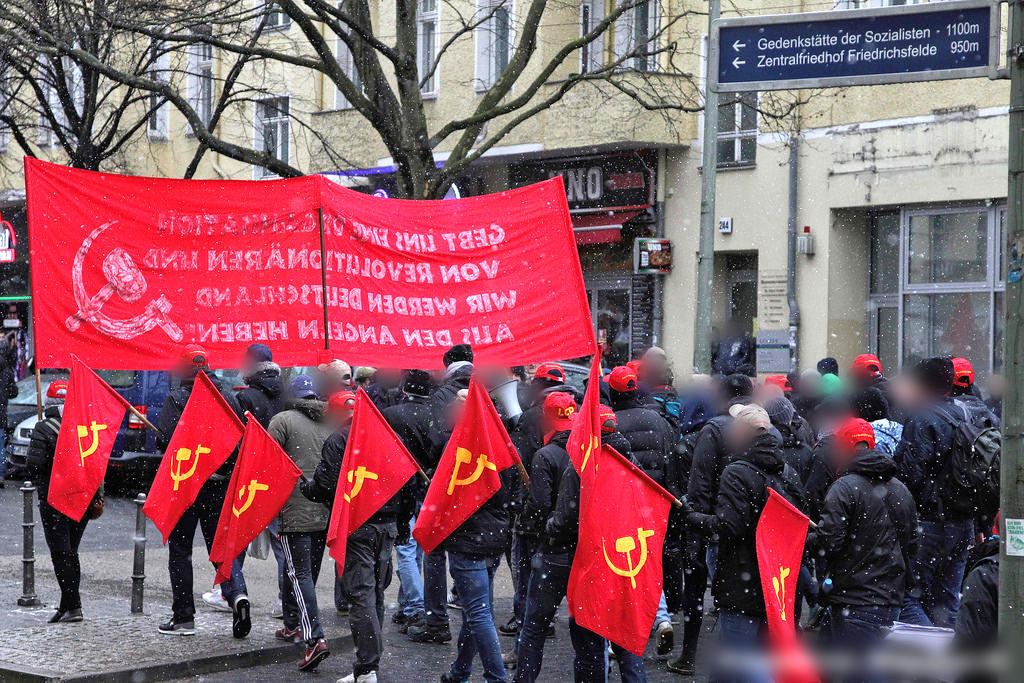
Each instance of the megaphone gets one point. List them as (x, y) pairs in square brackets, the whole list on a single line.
[(506, 395)]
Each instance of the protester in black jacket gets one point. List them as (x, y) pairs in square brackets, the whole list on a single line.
[(868, 535), (264, 394), (923, 458), (650, 437), (710, 454), (977, 625)]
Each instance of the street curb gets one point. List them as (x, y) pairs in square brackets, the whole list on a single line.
[(14, 673)]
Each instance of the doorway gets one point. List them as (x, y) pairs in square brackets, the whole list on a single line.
[(610, 298), (741, 290)]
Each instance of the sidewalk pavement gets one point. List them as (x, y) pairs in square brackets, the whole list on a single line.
[(114, 645)]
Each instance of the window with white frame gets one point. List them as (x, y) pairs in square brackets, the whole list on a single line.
[(862, 4), (272, 17), (347, 63), (591, 54), (199, 80), (159, 111), (5, 103), (272, 127), (635, 40), (53, 77), (428, 27), (737, 129), (494, 38), (937, 284)]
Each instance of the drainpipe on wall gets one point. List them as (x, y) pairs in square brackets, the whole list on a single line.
[(658, 308), (794, 307)]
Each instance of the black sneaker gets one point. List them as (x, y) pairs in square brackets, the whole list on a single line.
[(399, 618), (509, 628), (417, 620), (551, 632), (185, 628), (430, 634), (241, 620), (682, 666)]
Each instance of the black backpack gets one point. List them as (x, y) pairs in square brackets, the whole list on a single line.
[(972, 481)]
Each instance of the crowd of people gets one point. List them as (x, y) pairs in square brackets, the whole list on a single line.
[(896, 476)]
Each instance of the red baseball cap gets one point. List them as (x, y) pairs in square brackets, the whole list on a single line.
[(623, 378), (341, 401), (560, 409), (194, 355), (634, 365), (866, 364), (550, 371), (780, 381), (854, 431), (57, 389), (608, 419), (963, 373)]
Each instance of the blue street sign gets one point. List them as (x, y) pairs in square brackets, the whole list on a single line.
[(923, 42)]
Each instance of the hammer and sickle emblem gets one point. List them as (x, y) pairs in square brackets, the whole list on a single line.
[(588, 449), (627, 545), (779, 584), (253, 487), (180, 458), (464, 456), (356, 477), (83, 432)]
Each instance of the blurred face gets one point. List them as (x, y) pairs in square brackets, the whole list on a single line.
[(996, 387), (810, 385), (389, 377), (340, 419), (766, 392), (455, 411), (739, 435), (908, 394)]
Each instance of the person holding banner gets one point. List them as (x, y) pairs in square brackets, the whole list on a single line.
[(204, 512)]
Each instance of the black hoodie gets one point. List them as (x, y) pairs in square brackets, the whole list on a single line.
[(651, 438), (742, 494), (868, 533), (264, 395)]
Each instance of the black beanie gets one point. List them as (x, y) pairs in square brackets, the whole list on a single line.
[(736, 385), (828, 366), (935, 374), (416, 383), (459, 352), (870, 404)]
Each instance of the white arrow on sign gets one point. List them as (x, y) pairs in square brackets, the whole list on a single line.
[(736, 63), (737, 45)]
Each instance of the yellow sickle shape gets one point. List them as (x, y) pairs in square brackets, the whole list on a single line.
[(83, 432), (464, 456), (627, 545)]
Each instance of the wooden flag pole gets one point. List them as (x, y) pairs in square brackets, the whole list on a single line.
[(39, 392), (423, 474), (522, 472), (135, 411)]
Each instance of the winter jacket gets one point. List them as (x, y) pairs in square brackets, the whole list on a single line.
[(264, 395), (323, 485), (41, 449), (888, 434), (733, 354), (455, 380), (651, 438), (413, 422), (977, 621), (710, 456), (664, 400), (384, 397), (797, 444), (549, 464), (742, 495), (821, 475), (868, 533), (301, 431), (923, 458), (487, 532), (173, 407)]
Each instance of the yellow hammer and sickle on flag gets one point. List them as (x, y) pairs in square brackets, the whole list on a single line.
[(253, 486), (587, 450), (464, 456), (779, 584), (83, 432), (627, 545), (180, 458), (356, 477)]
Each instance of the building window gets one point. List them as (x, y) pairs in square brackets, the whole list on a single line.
[(591, 57), (52, 110), (5, 108), (863, 4), (200, 80), (635, 41), (737, 130), (937, 283), (272, 128), (427, 30), (347, 63), (159, 111), (493, 41), (272, 16)]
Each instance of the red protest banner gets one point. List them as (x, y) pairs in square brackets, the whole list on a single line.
[(148, 264)]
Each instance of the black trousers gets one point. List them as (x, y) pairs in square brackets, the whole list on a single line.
[(695, 585), (63, 536), (366, 576)]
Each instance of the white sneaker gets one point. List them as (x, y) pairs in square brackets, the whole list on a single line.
[(215, 600), (278, 612), (365, 678)]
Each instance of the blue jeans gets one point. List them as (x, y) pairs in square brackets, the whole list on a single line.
[(410, 576), (662, 617), (303, 554), (712, 561), (523, 550), (739, 639), (858, 630), (474, 580), (938, 572), (435, 589), (549, 581)]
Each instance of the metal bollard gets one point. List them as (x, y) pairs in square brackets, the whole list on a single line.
[(139, 567), (28, 558)]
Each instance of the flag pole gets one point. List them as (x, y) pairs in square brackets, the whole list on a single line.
[(522, 472), (423, 474), (39, 390), (134, 411)]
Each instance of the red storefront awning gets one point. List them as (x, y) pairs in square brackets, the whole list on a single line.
[(600, 227)]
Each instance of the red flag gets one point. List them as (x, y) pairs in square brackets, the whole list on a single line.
[(779, 539), (375, 468), (207, 433), (585, 437), (93, 413), (616, 578), (467, 475), (263, 480)]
